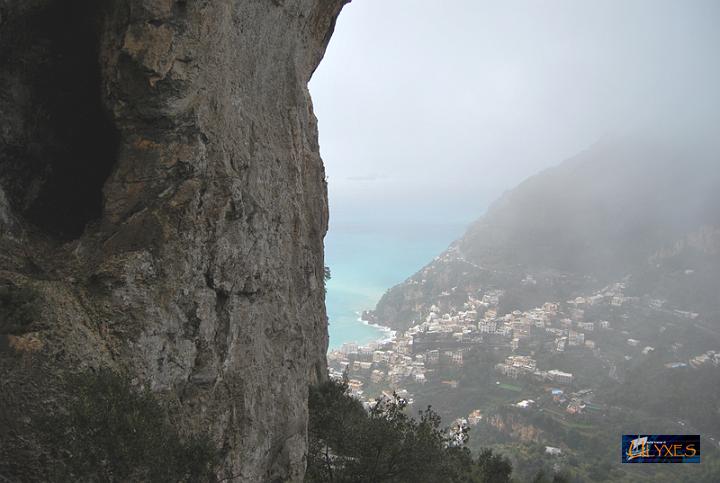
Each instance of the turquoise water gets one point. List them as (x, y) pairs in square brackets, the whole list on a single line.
[(366, 259)]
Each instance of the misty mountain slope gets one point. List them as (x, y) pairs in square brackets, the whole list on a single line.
[(622, 207), (612, 205)]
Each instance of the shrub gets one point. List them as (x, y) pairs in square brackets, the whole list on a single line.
[(115, 433), (349, 444)]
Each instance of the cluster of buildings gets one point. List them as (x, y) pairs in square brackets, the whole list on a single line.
[(445, 337), (516, 366), (709, 357), (382, 365), (579, 402)]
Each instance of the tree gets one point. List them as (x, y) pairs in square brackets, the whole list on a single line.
[(491, 468), (385, 444), (541, 477)]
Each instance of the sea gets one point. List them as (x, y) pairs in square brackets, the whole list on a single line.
[(368, 258)]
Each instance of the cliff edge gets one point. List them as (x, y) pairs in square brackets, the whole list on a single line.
[(162, 212)]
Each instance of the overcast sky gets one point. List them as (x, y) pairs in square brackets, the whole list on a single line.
[(435, 107)]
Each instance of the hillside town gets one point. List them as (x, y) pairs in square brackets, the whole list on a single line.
[(443, 339)]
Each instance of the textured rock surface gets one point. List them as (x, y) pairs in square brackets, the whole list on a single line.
[(163, 201)]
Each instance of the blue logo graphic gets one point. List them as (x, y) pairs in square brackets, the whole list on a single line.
[(660, 448)]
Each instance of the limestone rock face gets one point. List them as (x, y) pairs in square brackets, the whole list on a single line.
[(163, 200)]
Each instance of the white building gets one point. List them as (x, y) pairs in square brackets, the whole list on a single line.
[(474, 417), (560, 377)]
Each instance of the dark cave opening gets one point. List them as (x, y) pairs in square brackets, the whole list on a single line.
[(54, 165)]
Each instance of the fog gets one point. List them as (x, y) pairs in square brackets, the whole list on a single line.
[(434, 108), (584, 305)]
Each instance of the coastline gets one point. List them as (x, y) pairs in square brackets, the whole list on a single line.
[(389, 333), (367, 258), (384, 336)]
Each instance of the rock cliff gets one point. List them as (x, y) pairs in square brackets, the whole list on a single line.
[(162, 212)]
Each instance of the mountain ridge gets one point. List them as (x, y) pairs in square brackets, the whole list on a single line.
[(597, 217)]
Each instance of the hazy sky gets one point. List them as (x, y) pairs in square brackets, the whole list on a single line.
[(434, 108)]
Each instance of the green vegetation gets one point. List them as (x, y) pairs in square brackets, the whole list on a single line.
[(510, 387), (688, 394), (113, 433), (589, 441), (349, 444), (589, 450)]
